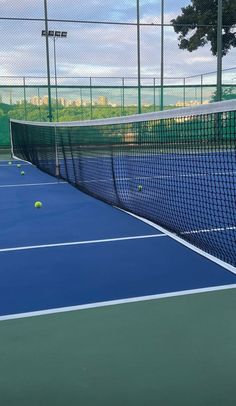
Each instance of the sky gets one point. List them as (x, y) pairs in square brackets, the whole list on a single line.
[(98, 49)]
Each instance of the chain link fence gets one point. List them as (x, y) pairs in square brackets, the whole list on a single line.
[(94, 70)]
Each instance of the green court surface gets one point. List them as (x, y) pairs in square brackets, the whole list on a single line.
[(178, 351)]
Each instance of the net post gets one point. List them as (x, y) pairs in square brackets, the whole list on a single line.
[(10, 132), (57, 163)]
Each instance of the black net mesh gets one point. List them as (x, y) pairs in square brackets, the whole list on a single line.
[(177, 169)]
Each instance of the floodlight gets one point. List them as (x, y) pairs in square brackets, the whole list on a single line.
[(54, 35)]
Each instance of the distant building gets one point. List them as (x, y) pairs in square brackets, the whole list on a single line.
[(35, 100), (44, 100), (21, 102), (41, 101), (190, 103), (62, 101), (69, 103), (102, 101), (78, 102)]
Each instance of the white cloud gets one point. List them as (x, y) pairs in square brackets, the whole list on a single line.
[(199, 59), (21, 8)]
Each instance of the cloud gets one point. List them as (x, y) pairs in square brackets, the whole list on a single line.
[(21, 8), (200, 59), (93, 10)]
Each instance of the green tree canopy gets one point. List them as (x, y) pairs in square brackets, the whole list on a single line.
[(227, 94), (197, 25)]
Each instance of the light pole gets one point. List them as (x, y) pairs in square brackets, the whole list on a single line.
[(162, 57), (219, 51), (48, 63), (54, 35), (138, 59)]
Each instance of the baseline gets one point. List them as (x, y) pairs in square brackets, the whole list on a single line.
[(116, 302)]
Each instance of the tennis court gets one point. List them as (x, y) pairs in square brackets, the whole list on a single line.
[(99, 303)]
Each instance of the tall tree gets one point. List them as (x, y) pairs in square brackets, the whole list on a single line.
[(197, 25)]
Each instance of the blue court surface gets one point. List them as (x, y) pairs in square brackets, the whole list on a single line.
[(190, 193), (77, 251)]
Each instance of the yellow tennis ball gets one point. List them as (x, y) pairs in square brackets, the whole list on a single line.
[(22, 173), (38, 205)]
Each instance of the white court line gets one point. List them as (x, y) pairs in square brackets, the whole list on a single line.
[(210, 230), (64, 244), (116, 302), (20, 160), (218, 261), (191, 175), (12, 160), (13, 165), (33, 184)]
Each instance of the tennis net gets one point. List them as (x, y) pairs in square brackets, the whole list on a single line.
[(176, 168)]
